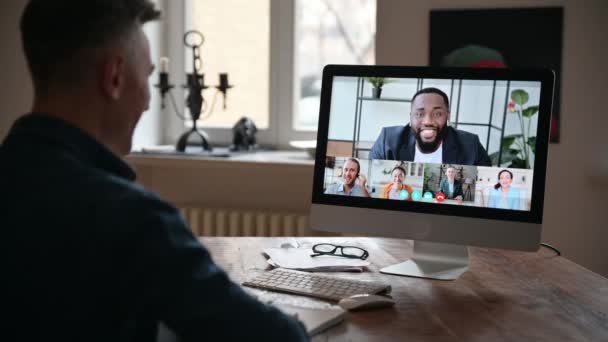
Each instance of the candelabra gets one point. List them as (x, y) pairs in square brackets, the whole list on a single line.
[(195, 83)]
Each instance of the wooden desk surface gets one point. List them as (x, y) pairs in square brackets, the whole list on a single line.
[(505, 295)]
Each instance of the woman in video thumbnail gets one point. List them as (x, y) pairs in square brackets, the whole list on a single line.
[(503, 196), (393, 190)]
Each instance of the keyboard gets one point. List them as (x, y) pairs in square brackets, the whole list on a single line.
[(314, 285)]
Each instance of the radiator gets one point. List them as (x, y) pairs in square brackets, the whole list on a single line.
[(231, 222)]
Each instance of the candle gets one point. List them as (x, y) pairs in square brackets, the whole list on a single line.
[(223, 80), (164, 64)]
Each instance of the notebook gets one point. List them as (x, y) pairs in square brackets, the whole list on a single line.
[(315, 320)]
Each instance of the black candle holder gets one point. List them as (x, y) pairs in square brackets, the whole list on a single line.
[(195, 83)]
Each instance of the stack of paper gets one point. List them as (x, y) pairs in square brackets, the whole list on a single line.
[(315, 320), (300, 259)]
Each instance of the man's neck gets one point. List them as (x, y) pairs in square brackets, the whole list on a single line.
[(71, 108), (418, 150)]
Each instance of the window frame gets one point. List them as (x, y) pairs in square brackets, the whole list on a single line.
[(282, 90)]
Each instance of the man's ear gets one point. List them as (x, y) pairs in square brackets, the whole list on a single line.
[(113, 76)]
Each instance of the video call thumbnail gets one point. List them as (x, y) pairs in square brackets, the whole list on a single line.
[(478, 186)]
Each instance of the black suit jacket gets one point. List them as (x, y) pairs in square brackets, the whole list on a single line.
[(459, 147), (444, 187)]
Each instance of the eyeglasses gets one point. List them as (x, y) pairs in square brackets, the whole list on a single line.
[(343, 251)]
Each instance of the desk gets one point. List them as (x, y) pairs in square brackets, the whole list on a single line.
[(505, 295)]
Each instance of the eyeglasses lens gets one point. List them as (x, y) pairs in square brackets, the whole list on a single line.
[(351, 251), (324, 248)]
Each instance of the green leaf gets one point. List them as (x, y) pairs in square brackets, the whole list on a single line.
[(508, 154), (494, 158), (377, 82), (508, 140), (530, 111), (532, 143), (520, 97), (518, 163)]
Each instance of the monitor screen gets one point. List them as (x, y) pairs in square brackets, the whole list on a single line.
[(449, 141)]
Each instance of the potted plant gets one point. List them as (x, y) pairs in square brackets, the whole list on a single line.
[(377, 83), (518, 149)]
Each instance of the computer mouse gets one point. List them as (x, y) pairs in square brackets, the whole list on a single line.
[(365, 302)]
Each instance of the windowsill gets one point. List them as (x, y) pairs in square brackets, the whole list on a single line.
[(162, 155)]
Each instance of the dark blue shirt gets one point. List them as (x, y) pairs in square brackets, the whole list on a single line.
[(88, 255)]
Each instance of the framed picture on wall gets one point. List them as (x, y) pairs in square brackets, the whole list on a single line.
[(524, 37)]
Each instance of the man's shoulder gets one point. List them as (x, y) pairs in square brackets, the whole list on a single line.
[(394, 130), (119, 202), (131, 210), (128, 194), (466, 147), (334, 189), (357, 187), (394, 135)]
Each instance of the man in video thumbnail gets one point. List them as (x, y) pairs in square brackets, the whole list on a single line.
[(450, 186), (353, 181), (428, 138)]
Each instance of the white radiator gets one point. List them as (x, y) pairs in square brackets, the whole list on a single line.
[(231, 222)]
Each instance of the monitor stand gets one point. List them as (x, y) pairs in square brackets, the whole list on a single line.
[(434, 261)]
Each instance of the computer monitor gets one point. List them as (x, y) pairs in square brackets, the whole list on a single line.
[(447, 157)]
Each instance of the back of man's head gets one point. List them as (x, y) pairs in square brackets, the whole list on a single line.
[(60, 36)]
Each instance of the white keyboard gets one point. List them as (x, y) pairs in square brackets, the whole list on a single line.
[(314, 285)]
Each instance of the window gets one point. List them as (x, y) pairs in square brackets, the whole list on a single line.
[(328, 32), (237, 42), (274, 52)]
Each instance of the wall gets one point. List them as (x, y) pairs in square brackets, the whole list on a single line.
[(277, 184), (16, 94), (577, 179)]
